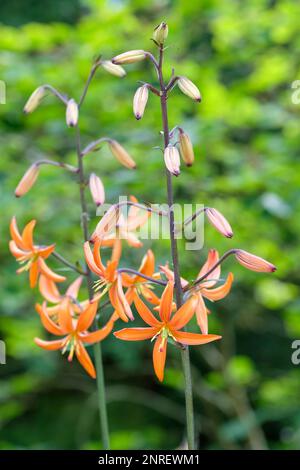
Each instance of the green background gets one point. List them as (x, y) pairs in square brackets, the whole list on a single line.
[(244, 56)]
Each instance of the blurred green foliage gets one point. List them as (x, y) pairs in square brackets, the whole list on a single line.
[(244, 56)]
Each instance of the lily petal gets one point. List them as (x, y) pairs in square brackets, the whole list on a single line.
[(85, 359), (44, 269), (159, 357), (48, 323), (15, 234), (97, 335), (90, 260), (201, 315), (166, 302), (48, 289), (194, 339), (86, 318), (33, 274), (27, 235), (50, 345), (184, 313), (212, 258), (73, 288), (135, 334), (145, 313), (220, 292)]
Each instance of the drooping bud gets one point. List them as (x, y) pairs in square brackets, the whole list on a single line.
[(253, 262), (121, 154), (218, 221), (172, 160), (34, 100), (189, 88), (27, 180), (97, 189), (160, 33), (114, 69), (186, 148), (72, 113), (139, 101), (129, 57)]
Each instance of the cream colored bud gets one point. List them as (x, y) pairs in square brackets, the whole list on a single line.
[(186, 148), (160, 33), (72, 113), (253, 262), (139, 101), (218, 221), (114, 69), (172, 160), (189, 88), (34, 100), (97, 189), (129, 57), (27, 181), (107, 224), (121, 154)]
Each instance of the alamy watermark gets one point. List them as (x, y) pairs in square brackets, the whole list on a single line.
[(296, 93), (2, 92), (295, 357), (2, 353)]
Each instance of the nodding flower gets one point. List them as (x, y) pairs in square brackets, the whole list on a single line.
[(172, 159), (31, 256), (27, 180), (140, 101), (253, 262), (218, 221), (167, 327), (189, 88)]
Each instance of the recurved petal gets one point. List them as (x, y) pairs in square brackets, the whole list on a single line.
[(149, 295), (201, 315), (85, 359), (132, 239), (115, 301), (50, 345), (48, 323), (145, 313), (73, 288), (65, 316), (148, 264), (48, 289), (90, 260), (166, 302), (184, 313), (15, 234), (194, 339), (27, 235), (97, 335), (159, 357), (15, 251), (44, 269), (86, 318), (135, 334), (213, 257), (220, 292), (46, 251), (33, 274)]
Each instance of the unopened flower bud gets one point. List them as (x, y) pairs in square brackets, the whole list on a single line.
[(114, 69), (108, 223), (189, 88), (186, 148), (121, 154), (129, 57), (218, 221), (72, 113), (160, 33), (97, 189), (172, 160), (34, 100), (139, 101), (253, 262), (27, 181)]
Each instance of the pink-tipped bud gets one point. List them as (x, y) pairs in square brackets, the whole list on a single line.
[(139, 101), (129, 57), (34, 100), (97, 189), (107, 224), (121, 154), (27, 180), (218, 221), (172, 160), (189, 88), (72, 113), (113, 69), (186, 148), (253, 262)]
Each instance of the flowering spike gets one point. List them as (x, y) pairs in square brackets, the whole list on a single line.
[(186, 148), (189, 88), (72, 113), (219, 222), (139, 101), (172, 160), (160, 33), (253, 262), (121, 154), (27, 181), (129, 57), (34, 100), (113, 69), (97, 189)]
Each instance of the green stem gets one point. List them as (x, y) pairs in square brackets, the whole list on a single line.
[(97, 346), (185, 356)]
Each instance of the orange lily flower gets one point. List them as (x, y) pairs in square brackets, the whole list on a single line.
[(110, 281), (126, 227), (205, 288), (74, 334), (167, 326), (50, 292), (30, 255)]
